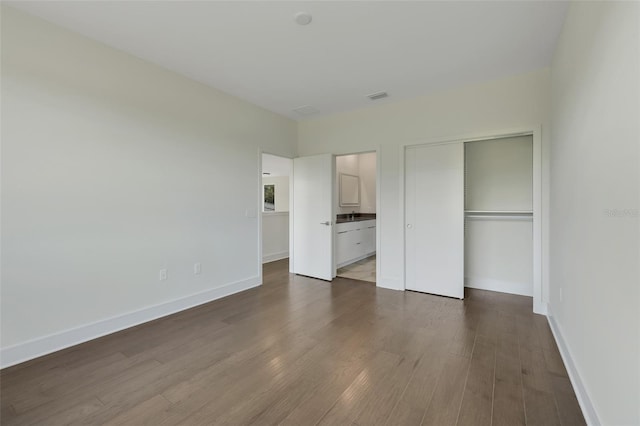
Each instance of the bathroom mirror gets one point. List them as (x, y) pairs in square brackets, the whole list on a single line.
[(349, 190)]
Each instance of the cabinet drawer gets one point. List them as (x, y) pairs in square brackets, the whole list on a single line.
[(355, 240)]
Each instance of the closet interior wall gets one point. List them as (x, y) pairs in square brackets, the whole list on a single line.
[(499, 215)]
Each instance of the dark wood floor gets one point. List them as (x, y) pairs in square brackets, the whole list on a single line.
[(297, 351)]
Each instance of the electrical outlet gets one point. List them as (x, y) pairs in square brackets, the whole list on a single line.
[(197, 268), (163, 274)]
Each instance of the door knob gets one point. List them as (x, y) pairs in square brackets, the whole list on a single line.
[(325, 223)]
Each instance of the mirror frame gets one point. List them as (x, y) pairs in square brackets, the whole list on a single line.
[(349, 200)]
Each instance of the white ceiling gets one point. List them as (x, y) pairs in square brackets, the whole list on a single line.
[(255, 50), (276, 166)]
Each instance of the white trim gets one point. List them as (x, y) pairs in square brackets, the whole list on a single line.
[(260, 207), (588, 410), (261, 203), (540, 298), (54, 342), (511, 287), (378, 221), (403, 215), (266, 258), (390, 283), (291, 248), (539, 295)]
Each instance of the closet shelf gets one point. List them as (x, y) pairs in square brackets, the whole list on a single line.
[(499, 214)]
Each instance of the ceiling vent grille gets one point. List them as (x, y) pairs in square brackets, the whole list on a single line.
[(378, 95), (306, 110)]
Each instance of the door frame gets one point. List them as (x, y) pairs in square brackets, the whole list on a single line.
[(540, 294), (335, 201), (260, 205)]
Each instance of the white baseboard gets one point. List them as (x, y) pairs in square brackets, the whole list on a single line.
[(390, 283), (275, 256), (54, 342), (588, 410), (541, 308), (523, 289)]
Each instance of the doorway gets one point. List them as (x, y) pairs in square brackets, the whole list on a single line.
[(275, 206), (355, 230)]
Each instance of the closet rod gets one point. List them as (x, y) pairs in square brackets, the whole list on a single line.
[(500, 212)]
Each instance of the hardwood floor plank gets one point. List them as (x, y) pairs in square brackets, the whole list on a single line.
[(60, 412), (405, 414), (298, 351), (553, 362), (354, 399), (383, 399), (412, 405), (120, 373), (445, 404), (567, 403), (539, 400), (476, 407), (540, 408), (508, 404), (463, 342), (141, 413)]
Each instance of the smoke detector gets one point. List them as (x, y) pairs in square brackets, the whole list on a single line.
[(303, 18)]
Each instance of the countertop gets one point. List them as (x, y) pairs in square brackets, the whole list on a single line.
[(357, 217)]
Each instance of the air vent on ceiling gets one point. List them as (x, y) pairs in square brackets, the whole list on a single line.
[(378, 95), (306, 110)]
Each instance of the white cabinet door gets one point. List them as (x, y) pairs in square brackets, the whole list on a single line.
[(354, 240), (357, 249), (313, 179), (342, 246), (434, 243), (370, 238)]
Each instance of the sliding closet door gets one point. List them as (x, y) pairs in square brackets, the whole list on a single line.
[(434, 222)]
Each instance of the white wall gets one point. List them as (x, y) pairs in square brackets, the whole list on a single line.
[(498, 106), (275, 236), (112, 169), (367, 173), (595, 196), (498, 255), (281, 191), (499, 174)]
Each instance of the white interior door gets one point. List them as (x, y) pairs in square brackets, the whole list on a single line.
[(313, 182), (434, 225)]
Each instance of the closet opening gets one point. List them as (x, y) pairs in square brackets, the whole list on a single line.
[(498, 215), (355, 230), (472, 216)]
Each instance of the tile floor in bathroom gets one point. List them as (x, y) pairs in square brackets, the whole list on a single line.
[(363, 270)]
